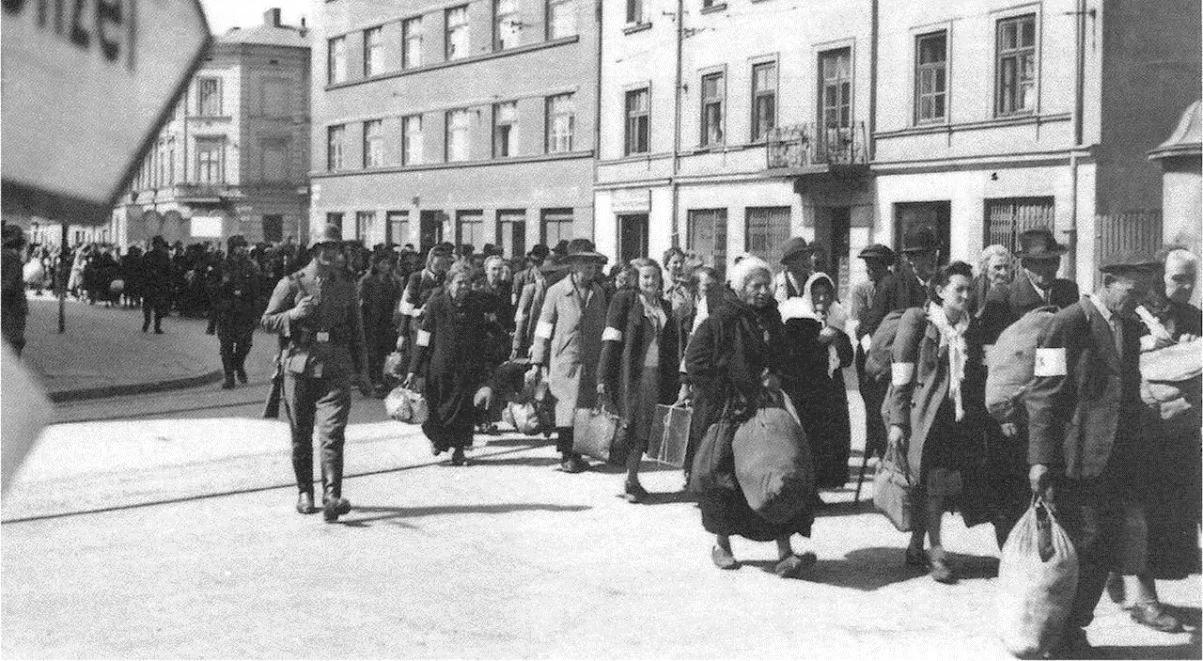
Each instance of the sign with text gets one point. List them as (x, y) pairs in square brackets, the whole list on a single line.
[(85, 87)]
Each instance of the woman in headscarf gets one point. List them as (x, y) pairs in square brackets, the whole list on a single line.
[(816, 351), (936, 407), (731, 362), (448, 366), (639, 361)]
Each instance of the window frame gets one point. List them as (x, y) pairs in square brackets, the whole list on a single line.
[(757, 133), (549, 13), (636, 12), (409, 34), (449, 32), (920, 68), (511, 136), (550, 137), (821, 83), (220, 143), (201, 110), (473, 217), (395, 219), (363, 220), (513, 16), (999, 56), (368, 60), (769, 244), (645, 115), (704, 141), (556, 215), (408, 157), (334, 157), (336, 60), (373, 144), (447, 135)]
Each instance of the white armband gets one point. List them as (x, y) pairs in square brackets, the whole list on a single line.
[(901, 373), (611, 334), (866, 343), (423, 338), (544, 330), (1050, 362)]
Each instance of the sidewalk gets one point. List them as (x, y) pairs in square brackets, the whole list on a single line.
[(105, 354)]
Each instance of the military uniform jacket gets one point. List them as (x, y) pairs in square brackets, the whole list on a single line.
[(236, 292), (327, 344), (1084, 405)]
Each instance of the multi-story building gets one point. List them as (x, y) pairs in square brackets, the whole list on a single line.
[(728, 126), (233, 158), (469, 122)]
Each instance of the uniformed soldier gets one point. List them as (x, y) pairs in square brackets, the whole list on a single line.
[(235, 306), (1085, 414), (317, 310)]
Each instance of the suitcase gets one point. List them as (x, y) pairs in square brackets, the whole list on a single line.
[(597, 433), (669, 436)]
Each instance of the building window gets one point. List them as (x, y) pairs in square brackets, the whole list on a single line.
[(635, 12), (835, 92), (363, 223), (335, 219), (638, 121), (505, 129), (334, 147), (561, 18), (171, 161), (505, 24), (373, 143), (707, 236), (712, 109), (373, 51), (561, 121), (458, 127), (555, 226), (411, 148), (767, 231), (469, 228), (396, 228), (1016, 67), (457, 32), (411, 35), (764, 100), (511, 232), (336, 63), (208, 97), (209, 153), (931, 77)]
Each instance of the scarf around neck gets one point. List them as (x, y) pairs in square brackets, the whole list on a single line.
[(953, 337)]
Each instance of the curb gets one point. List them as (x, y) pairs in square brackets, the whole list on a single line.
[(105, 392)]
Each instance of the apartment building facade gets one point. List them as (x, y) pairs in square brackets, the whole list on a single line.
[(847, 122), (233, 158), (468, 122)]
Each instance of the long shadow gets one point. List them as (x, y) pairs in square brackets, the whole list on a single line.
[(1187, 650), (532, 441), (670, 498), (864, 569), (392, 514), (516, 461)]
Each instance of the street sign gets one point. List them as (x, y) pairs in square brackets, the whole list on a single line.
[(85, 86)]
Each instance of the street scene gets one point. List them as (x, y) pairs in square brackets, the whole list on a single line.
[(592, 329)]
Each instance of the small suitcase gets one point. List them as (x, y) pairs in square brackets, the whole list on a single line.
[(669, 436), (597, 433)]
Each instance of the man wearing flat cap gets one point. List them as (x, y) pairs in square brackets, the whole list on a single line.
[(235, 291), (1037, 284), (878, 260), (798, 258), (906, 287), (317, 310), (1085, 414)]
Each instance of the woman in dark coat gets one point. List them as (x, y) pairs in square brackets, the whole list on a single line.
[(731, 362), (936, 409), (448, 366), (816, 350), (639, 362)]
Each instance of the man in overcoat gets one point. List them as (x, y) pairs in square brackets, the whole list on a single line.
[(568, 342), (317, 310), (906, 286), (1037, 285), (878, 260), (235, 307), (1085, 414), (158, 278)]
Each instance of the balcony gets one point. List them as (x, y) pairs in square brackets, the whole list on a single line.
[(811, 149), (204, 192)]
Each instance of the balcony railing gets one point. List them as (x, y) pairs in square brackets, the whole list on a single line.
[(812, 145)]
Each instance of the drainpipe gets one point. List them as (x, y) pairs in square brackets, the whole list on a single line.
[(597, 110), (873, 28), (677, 122), (1079, 76)]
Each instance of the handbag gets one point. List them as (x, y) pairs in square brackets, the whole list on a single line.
[(597, 433), (892, 489), (669, 436)]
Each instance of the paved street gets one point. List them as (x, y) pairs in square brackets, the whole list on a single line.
[(193, 549)]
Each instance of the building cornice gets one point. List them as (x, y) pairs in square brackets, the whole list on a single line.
[(456, 165)]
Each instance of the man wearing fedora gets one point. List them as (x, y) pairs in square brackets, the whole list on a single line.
[(235, 299), (568, 341), (1037, 284), (317, 310), (906, 287), (1085, 417), (798, 258)]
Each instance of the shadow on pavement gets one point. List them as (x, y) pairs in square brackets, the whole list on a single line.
[(865, 569), (533, 441), (670, 498), (1188, 650), (391, 513), (515, 461)]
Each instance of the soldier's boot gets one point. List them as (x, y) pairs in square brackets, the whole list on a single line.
[(227, 368), (333, 504)]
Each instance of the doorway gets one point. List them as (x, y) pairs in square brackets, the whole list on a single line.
[(431, 229), (632, 237)]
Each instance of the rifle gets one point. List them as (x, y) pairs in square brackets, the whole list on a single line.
[(271, 408)]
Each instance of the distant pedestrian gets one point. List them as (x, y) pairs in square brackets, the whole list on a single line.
[(236, 309), (14, 308), (316, 311), (878, 260), (378, 296), (157, 279)]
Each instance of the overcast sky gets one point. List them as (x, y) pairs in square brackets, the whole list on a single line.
[(225, 14)]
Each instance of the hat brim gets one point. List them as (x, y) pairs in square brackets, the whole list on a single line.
[(1051, 253), (587, 256), (912, 249)]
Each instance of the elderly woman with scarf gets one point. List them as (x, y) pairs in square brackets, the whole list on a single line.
[(732, 362), (816, 351), (936, 406), (638, 365)]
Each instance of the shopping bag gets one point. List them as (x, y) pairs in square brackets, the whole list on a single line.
[(773, 464), (394, 366), (892, 489), (522, 416), (669, 437), (1037, 579), (596, 432), (397, 406), (713, 462)]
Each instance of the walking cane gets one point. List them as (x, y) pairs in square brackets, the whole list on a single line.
[(864, 463)]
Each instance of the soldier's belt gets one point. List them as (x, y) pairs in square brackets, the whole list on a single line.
[(333, 336)]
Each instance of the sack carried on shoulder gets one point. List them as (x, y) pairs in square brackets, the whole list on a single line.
[(773, 463), (669, 437), (881, 347), (892, 489), (596, 433), (1037, 579), (1011, 364)]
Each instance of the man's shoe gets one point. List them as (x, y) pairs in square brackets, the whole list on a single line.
[(305, 504), (334, 508), (458, 458), (241, 374), (1154, 616), (634, 492), (573, 463), (794, 565), (723, 559), (158, 331), (228, 384)]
